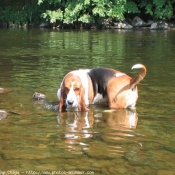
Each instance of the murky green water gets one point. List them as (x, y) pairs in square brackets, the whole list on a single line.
[(100, 141)]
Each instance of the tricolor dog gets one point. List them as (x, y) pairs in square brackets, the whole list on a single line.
[(79, 88)]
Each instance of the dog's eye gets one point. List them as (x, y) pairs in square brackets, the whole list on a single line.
[(76, 89), (66, 89)]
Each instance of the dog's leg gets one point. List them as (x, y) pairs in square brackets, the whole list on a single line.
[(82, 105), (61, 106)]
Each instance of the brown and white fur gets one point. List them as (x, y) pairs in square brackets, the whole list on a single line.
[(82, 87)]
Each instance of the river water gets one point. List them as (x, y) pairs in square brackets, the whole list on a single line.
[(35, 139)]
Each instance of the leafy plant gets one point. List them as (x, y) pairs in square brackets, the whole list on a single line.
[(81, 11), (84, 10), (158, 9)]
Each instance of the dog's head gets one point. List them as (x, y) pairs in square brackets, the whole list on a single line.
[(72, 91)]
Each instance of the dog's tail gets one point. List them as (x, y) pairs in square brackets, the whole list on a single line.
[(140, 76)]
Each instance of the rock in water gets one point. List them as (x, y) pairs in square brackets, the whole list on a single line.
[(38, 96), (2, 90), (3, 114)]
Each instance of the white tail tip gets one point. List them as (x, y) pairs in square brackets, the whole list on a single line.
[(137, 66)]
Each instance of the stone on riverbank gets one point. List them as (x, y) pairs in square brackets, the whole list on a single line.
[(138, 22), (159, 25)]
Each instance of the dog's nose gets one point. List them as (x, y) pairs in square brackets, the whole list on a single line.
[(70, 102)]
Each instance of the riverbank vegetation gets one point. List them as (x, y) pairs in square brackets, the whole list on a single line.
[(66, 13)]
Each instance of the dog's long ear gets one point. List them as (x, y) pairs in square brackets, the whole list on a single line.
[(82, 105), (62, 106)]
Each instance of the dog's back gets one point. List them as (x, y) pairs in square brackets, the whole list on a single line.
[(100, 78)]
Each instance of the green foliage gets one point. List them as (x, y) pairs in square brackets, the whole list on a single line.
[(131, 7), (86, 11), (86, 19), (81, 11), (19, 13), (53, 16), (72, 11), (50, 1), (159, 9), (13, 14), (163, 9)]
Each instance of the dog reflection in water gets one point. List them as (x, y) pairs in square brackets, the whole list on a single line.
[(77, 121), (78, 125), (120, 119), (77, 129)]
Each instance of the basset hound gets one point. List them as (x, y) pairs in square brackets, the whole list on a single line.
[(79, 88)]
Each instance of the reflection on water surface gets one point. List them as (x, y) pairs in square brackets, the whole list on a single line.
[(35, 137), (79, 127)]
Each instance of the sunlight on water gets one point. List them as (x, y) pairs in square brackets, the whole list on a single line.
[(35, 137)]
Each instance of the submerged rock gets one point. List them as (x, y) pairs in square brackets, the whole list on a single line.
[(38, 96), (17, 112), (51, 106), (2, 90), (3, 114)]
